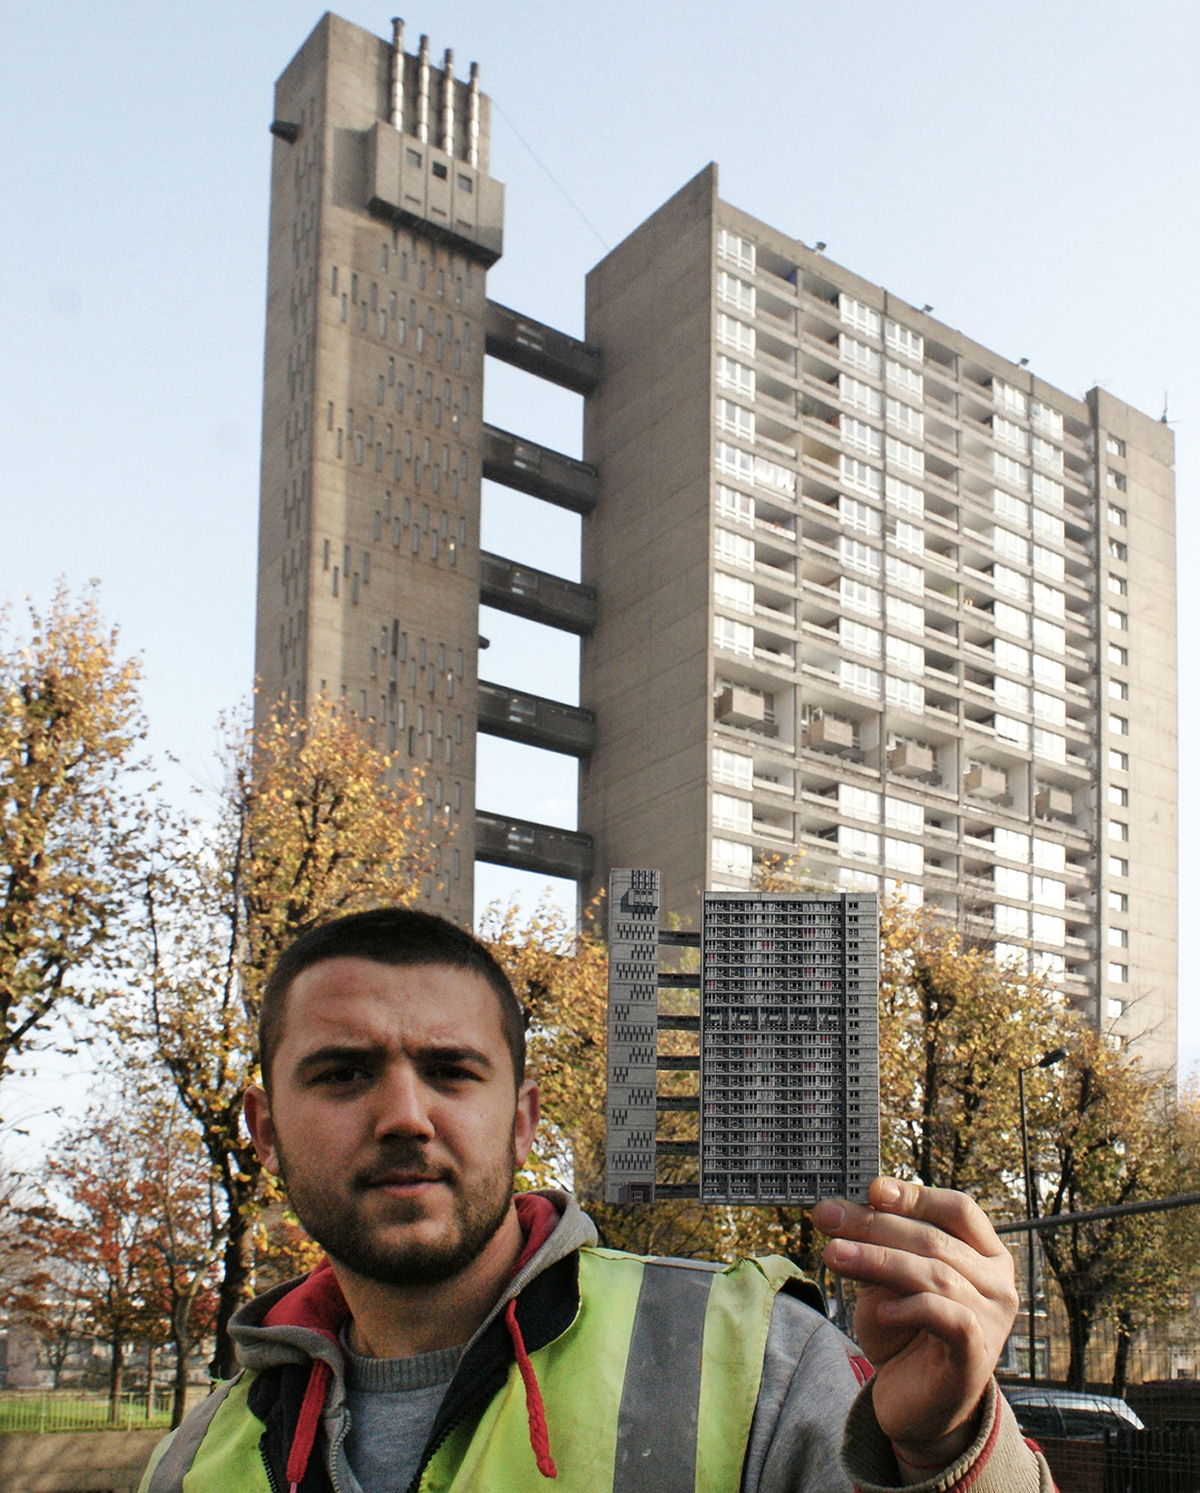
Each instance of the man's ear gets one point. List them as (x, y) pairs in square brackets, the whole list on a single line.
[(529, 1109), (257, 1109)]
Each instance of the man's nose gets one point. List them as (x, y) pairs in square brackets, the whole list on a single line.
[(402, 1104)]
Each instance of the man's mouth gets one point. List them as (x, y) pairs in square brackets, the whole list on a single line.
[(401, 1182)]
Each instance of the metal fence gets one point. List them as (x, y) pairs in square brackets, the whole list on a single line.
[(77, 1410), (1161, 1459)]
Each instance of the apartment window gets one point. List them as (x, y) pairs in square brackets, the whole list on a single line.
[(859, 316), (735, 594), (1048, 599), (859, 597), (858, 678), (1118, 901), (1008, 729), (904, 378), (1047, 928), (732, 858), (1118, 761), (859, 476), (1118, 796), (1114, 445), (905, 695), (1048, 855), (1117, 830), (735, 334), (325, 554), (909, 537), (1049, 671), (1010, 435), (860, 396), (862, 437), (736, 292), (1117, 655), (1118, 725), (738, 251), (1049, 746), (1009, 470), (906, 615), (907, 817), (905, 655), (859, 355), (1118, 938), (906, 458), (734, 505), (1011, 546), (1117, 866), (907, 577), (1049, 708), (1048, 526), (1048, 892), (905, 341), (1047, 455), (1010, 582), (858, 803), (1004, 505), (733, 549), (1116, 516), (859, 638), (1011, 619), (1008, 398), (1117, 550), (733, 768), (734, 637), (1115, 480), (1012, 921), (858, 844), (903, 856), (1118, 974), (904, 495), (734, 375), (1118, 689), (1015, 660), (1011, 883), (1117, 584), (731, 813), (1049, 636), (1048, 491), (1049, 563), (856, 555), (860, 516), (1047, 419)]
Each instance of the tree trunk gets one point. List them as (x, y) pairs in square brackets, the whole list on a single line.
[(1121, 1357), (179, 1403), (233, 1291), (151, 1349), (1079, 1322), (116, 1374)]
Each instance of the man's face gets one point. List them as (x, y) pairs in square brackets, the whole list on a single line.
[(393, 1119)]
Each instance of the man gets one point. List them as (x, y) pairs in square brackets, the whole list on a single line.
[(458, 1338)]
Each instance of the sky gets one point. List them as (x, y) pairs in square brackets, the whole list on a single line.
[(1028, 169)]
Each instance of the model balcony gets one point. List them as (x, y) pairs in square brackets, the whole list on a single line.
[(535, 721), (911, 760), (525, 846), (539, 471), (540, 350), (536, 594)]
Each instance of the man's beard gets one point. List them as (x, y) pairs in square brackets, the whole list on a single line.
[(346, 1236)]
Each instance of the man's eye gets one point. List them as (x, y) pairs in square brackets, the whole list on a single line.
[(348, 1073), (452, 1073)]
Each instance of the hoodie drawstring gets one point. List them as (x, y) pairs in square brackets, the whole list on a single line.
[(306, 1427), (539, 1437)]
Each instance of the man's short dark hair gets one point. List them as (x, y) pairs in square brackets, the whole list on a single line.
[(387, 935)]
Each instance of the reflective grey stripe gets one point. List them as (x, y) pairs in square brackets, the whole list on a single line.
[(660, 1400), (177, 1459)]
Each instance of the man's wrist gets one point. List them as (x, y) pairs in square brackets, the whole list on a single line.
[(917, 1460)]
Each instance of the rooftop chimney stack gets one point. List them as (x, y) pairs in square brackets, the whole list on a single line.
[(473, 117), (448, 102), (396, 92), (423, 90)]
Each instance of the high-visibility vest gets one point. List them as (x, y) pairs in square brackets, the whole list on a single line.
[(651, 1389)]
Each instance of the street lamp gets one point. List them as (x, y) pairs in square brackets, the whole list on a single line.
[(1047, 1060)]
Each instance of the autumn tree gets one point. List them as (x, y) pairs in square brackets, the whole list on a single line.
[(956, 1024), (1105, 1132), (312, 822), (69, 825)]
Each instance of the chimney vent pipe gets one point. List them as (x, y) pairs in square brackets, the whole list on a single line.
[(396, 90), (423, 90), (473, 117), (448, 102)]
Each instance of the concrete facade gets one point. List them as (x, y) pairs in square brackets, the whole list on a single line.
[(870, 591)]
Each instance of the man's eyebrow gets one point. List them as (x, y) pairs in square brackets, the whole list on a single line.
[(338, 1052), (453, 1053)]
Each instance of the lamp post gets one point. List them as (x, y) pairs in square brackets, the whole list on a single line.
[(1047, 1060)]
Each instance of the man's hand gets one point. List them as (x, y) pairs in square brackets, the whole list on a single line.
[(936, 1305)]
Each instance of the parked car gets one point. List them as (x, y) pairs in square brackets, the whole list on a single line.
[(1067, 1414)]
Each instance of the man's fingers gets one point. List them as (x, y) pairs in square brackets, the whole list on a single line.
[(953, 1212), (901, 1271), (895, 1232)]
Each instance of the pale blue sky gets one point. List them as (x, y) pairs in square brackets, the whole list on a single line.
[(1029, 169)]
